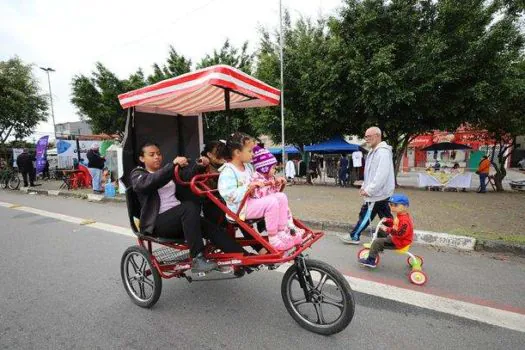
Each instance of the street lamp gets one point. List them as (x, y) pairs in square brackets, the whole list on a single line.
[(47, 70)]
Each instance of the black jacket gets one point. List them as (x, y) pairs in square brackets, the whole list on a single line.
[(25, 162), (146, 186), (95, 160)]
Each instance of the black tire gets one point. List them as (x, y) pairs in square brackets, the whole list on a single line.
[(14, 182), (3, 182), (146, 277), (346, 305)]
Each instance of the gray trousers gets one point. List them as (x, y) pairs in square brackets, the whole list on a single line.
[(380, 243)]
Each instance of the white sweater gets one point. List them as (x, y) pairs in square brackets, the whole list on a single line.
[(290, 169)]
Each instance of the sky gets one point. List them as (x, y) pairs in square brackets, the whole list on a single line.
[(71, 36)]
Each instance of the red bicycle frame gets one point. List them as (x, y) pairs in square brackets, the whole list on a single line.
[(199, 187)]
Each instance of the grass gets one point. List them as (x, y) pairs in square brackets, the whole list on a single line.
[(515, 239)]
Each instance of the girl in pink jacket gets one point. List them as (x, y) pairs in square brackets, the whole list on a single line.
[(265, 165)]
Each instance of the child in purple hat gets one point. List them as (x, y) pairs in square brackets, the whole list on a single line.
[(265, 168)]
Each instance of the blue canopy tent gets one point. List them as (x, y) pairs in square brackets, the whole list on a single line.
[(287, 149), (335, 145)]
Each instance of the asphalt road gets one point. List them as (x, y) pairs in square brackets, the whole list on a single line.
[(61, 289)]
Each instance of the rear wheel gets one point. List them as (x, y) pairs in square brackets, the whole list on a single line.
[(411, 261), (141, 279), (326, 304), (14, 182)]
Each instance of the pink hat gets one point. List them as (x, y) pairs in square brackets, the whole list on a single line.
[(263, 160)]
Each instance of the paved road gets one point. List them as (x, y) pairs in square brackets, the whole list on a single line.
[(61, 289)]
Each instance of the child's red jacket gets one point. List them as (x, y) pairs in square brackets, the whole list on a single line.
[(401, 229)]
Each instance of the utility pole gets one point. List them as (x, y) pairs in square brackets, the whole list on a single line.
[(47, 70), (281, 40)]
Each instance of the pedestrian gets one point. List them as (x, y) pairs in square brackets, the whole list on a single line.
[(483, 172), (378, 185), (95, 166), (290, 172), (24, 162), (343, 170)]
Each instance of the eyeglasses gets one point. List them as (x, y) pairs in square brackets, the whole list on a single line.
[(370, 136)]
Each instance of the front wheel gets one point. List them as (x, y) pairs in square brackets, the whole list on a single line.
[(141, 279), (325, 305)]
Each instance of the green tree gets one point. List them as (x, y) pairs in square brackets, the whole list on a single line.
[(22, 105), (314, 89), (175, 65), (217, 125), (96, 98), (421, 65)]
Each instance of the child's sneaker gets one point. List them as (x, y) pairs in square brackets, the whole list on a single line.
[(370, 262), (280, 241)]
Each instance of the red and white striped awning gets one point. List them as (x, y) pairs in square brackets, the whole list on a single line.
[(203, 91)]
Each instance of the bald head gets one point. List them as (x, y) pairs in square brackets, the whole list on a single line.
[(373, 136)]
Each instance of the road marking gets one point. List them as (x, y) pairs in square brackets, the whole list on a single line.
[(472, 311)]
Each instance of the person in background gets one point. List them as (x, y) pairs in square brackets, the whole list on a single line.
[(290, 171), (483, 172), (24, 162), (95, 166), (343, 170), (437, 165)]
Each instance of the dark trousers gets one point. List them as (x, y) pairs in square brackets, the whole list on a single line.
[(483, 182), (380, 243), (28, 175), (380, 208), (184, 221)]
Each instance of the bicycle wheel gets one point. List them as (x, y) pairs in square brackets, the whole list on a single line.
[(326, 306), (14, 182)]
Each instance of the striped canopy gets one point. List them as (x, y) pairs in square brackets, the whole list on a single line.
[(210, 89)]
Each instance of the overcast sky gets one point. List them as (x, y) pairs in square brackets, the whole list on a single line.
[(70, 36)]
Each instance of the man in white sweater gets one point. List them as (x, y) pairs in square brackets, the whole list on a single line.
[(378, 185)]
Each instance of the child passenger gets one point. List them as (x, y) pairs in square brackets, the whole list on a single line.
[(265, 168), (235, 180)]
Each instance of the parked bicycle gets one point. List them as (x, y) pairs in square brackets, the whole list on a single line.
[(9, 178)]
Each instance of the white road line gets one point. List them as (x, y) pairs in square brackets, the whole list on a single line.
[(480, 313)]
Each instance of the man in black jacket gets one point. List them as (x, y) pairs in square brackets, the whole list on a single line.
[(163, 214), (24, 162)]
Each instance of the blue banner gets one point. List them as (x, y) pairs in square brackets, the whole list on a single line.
[(41, 154)]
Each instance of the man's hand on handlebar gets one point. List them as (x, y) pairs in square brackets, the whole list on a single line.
[(181, 161)]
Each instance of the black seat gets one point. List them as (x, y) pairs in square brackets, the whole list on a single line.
[(133, 204)]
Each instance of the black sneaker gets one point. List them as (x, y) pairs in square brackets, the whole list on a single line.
[(201, 264)]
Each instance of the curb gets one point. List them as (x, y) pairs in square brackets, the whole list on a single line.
[(436, 239)]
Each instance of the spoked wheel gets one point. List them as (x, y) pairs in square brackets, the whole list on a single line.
[(411, 262), (14, 182), (418, 278), (317, 296), (141, 279), (3, 183)]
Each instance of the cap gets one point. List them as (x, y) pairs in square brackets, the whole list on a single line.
[(399, 198)]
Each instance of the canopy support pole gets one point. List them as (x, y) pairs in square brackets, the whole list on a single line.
[(227, 108)]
